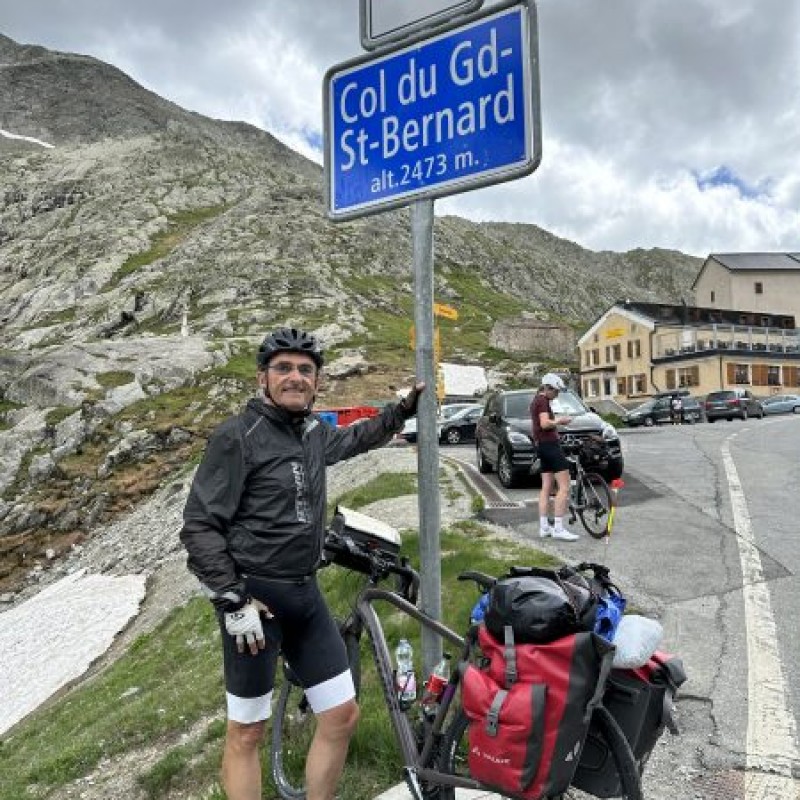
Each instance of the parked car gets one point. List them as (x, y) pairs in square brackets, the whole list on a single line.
[(503, 437), (409, 431), (730, 403), (782, 404), (658, 411), (460, 427)]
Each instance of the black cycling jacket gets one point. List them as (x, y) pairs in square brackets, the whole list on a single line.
[(257, 503)]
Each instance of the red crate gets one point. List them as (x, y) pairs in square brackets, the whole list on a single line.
[(346, 415)]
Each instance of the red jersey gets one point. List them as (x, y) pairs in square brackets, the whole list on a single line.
[(541, 404)]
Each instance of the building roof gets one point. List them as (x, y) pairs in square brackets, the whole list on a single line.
[(752, 262)]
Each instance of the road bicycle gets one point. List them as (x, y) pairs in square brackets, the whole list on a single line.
[(590, 498), (433, 746)]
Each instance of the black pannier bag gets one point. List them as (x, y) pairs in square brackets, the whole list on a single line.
[(641, 702), (541, 605)]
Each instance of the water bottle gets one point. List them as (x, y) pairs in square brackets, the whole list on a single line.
[(405, 678), (434, 686)]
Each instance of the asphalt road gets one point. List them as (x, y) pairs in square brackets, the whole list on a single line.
[(706, 540)]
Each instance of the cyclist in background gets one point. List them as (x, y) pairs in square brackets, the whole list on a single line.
[(554, 464), (254, 526)]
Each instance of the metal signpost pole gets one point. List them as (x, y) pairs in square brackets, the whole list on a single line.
[(443, 104), (427, 435)]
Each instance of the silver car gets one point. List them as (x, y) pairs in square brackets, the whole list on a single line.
[(781, 404)]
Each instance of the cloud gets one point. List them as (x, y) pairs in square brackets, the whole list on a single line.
[(665, 124)]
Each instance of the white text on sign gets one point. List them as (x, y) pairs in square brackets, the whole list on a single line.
[(467, 63)]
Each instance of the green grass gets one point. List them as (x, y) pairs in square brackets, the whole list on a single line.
[(114, 378), (170, 681), (385, 485), (5, 407), (59, 414), (178, 229)]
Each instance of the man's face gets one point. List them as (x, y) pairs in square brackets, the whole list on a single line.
[(290, 380)]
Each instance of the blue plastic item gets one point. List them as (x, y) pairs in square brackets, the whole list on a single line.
[(479, 610), (331, 417), (610, 609)]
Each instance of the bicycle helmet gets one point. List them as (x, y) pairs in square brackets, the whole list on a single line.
[(289, 340), (553, 381)]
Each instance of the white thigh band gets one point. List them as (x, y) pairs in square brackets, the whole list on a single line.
[(249, 709), (331, 693)]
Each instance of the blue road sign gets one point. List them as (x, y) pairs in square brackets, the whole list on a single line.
[(436, 117)]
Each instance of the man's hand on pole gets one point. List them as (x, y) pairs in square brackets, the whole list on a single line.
[(411, 400)]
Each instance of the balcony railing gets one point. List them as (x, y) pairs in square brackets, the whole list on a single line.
[(726, 338)]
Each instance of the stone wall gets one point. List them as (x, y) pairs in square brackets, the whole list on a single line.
[(522, 336)]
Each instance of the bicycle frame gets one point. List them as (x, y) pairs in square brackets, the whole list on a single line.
[(414, 758)]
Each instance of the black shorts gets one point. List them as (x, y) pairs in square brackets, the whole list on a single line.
[(551, 457), (305, 631)]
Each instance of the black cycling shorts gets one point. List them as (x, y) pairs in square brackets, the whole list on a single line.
[(305, 631), (551, 457)]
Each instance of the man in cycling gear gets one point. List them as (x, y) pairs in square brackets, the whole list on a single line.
[(254, 527), (554, 464)]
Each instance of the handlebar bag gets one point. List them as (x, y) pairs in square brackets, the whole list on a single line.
[(641, 700), (529, 710)]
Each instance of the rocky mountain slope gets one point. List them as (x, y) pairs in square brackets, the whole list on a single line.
[(145, 251)]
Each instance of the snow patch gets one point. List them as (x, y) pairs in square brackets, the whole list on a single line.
[(31, 139), (55, 636)]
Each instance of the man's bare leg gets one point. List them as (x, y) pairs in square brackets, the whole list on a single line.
[(241, 761), (328, 750)]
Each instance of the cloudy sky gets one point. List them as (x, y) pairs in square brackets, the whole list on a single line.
[(665, 124)]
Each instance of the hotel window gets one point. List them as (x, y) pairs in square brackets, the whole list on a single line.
[(617, 352), (688, 376), (739, 373), (713, 296), (640, 384), (759, 287)]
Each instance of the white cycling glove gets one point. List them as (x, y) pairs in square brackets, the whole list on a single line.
[(245, 626)]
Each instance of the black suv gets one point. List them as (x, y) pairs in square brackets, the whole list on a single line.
[(504, 434), (658, 410)]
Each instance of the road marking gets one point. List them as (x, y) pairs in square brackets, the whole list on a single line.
[(480, 483), (772, 745)]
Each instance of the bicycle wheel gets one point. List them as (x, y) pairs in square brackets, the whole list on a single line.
[(293, 727), (596, 505), (609, 736)]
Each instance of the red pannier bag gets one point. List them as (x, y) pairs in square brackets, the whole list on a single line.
[(529, 710), (641, 701)]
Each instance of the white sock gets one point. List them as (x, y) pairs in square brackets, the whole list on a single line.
[(558, 523), (544, 522)]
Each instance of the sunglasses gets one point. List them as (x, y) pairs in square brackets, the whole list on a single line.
[(285, 368)]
